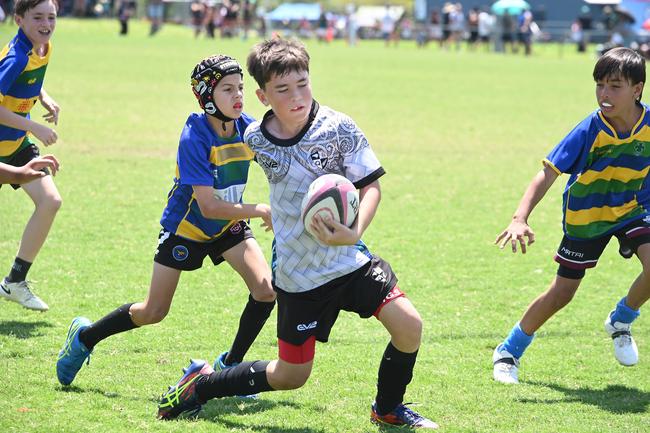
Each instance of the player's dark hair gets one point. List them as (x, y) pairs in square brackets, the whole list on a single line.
[(623, 63), (276, 57), (22, 6)]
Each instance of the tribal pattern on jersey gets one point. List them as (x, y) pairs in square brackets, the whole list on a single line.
[(22, 72), (332, 144), (206, 159), (607, 188)]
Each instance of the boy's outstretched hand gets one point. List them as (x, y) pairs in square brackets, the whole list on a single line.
[(333, 233), (266, 217), (46, 135), (32, 170), (52, 108), (515, 233)]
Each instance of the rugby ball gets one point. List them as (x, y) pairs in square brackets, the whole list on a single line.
[(330, 195)]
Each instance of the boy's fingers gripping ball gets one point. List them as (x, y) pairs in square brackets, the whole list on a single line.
[(330, 196)]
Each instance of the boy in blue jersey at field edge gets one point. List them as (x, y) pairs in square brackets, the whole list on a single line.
[(22, 69), (607, 157), (296, 142), (204, 216)]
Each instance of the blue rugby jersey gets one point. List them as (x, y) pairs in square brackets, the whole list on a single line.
[(22, 72), (206, 159), (607, 187)]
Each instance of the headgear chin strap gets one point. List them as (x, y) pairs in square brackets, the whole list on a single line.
[(205, 77)]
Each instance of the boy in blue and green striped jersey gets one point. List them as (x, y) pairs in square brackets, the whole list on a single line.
[(607, 157), (22, 69)]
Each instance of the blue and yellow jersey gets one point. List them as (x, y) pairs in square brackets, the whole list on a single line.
[(22, 72), (607, 188), (206, 159)]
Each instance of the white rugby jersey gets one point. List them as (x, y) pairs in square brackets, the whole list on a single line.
[(330, 143)]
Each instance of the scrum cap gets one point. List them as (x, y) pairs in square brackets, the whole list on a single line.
[(205, 77)]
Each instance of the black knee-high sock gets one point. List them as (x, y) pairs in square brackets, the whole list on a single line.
[(18, 270), (395, 372), (251, 322), (116, 321), (243, 379)]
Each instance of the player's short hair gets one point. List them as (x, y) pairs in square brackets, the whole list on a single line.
[(623, 63), (276, 57), (22, 6)]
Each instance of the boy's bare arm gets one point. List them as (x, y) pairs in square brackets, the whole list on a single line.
[(29, 171), (212, 207), (46, 135), (51, 106), (518, 229)]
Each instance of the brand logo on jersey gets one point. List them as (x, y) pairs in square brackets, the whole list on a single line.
[(639, 147), (307, 326), (32, 81), (180, 253), (378, 274), (319, 157), (236, 228), (267, 162)]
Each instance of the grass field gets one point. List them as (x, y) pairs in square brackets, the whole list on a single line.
[(460, 136)]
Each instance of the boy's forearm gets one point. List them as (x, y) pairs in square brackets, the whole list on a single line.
[(8, 173), (369, 198), (534, 193), (13, 120)]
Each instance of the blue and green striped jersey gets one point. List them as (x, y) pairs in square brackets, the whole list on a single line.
[(206, 159), (607, 187), (22, 72)]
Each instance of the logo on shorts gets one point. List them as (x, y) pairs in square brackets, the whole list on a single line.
[(378, 274), (180, 253), (307, 326), (570, 253), (235, 229)]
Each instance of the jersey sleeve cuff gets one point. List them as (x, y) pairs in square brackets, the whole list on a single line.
[(362, 183), (549, 164)]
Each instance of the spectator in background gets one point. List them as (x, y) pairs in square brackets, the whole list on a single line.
[(387, 26), (447, 10), (321, 30), (248, 14), (585, 20), (197, 11), (485, 27), (125, 10), (525, 22), (352, 25), (155, 12), (435, 26), (472, 24), (508, 25)]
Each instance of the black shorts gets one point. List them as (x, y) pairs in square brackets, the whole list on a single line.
[(301, 315), (575, 256), (186, 255), (23, 156)]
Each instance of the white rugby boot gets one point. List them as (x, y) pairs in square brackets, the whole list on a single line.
[(21, 293), (506, 366), (625, 349)]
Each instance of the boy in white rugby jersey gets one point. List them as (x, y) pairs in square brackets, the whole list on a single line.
[(296, 142)]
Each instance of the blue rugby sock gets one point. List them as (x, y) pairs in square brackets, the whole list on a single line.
[(623, 313), (517, 342)]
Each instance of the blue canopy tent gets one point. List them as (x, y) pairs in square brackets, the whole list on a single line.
[(295, 12)]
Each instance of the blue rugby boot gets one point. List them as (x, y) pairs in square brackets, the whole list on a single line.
[(182, 399), (73, 354), (220, 365), (402, 416)]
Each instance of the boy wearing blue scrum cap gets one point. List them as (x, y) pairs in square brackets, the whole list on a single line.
[(607, 157), (22, 70), (204, 216)]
